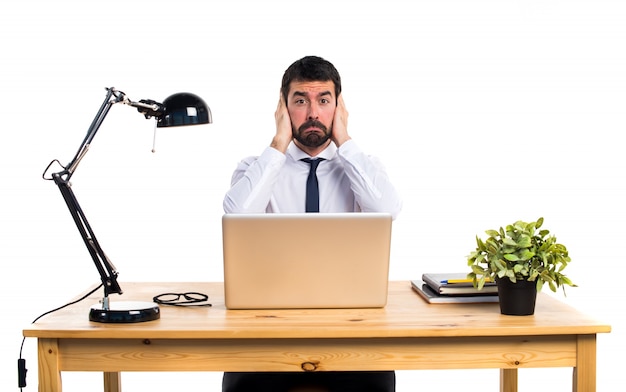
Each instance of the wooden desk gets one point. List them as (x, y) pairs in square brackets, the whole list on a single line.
[(406, 334)]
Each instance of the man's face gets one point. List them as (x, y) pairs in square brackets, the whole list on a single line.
[(311, 106)]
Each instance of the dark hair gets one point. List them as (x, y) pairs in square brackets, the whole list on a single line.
[(310, 68)]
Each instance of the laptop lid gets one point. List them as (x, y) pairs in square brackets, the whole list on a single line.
[(314, 260)]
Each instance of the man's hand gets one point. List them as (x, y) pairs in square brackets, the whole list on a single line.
[(284, 133), (340, 123)]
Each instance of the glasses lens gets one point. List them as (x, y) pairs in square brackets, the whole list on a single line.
[(170, 297), (195, 296)]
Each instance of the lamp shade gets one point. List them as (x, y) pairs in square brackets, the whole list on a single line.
[(184, 109)]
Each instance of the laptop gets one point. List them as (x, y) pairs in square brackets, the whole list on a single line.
[(306, 261)]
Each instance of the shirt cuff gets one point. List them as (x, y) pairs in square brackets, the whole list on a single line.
[(270, 154), (348, 148)]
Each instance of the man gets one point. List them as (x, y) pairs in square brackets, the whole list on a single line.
[(311, 126)]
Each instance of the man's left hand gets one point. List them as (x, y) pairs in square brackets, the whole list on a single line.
[(340, 123)]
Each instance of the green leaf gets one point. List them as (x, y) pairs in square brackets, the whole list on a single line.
[(524, 241), (492, 233), (511, 257), (526, 255), (539, 222)]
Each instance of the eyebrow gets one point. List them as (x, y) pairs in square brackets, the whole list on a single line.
[(304, 94)]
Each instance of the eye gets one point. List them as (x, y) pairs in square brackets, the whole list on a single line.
[(325, 101)]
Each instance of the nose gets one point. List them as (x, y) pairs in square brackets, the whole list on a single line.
[(313, 111)]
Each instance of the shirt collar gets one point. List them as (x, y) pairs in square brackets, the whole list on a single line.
[(297, 154)]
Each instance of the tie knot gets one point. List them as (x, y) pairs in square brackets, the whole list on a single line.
[(312, 162)]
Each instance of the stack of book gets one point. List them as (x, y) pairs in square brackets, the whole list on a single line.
[(453, 288)]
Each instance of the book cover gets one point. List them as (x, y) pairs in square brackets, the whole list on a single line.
[(430, 296), (452, 283)]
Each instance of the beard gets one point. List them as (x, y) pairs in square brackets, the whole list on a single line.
[(312, 139)]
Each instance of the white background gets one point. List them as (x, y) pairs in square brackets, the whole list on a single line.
[(484, 112)]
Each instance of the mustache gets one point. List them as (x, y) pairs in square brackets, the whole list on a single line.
[(312, 123)]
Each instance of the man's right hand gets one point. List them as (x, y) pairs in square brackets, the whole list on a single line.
[(284, 133)]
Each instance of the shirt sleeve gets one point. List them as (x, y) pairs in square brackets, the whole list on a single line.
[(253, 181), (370, 183)]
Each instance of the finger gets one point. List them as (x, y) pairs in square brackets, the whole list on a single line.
[(280, 101), (340, 101)]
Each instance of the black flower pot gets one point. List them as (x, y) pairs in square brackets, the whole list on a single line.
[(517, 299)]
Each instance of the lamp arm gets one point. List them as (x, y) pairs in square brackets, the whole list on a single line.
[(106, 269), (113, 96)]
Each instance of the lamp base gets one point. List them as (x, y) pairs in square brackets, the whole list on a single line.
[(125, 312)]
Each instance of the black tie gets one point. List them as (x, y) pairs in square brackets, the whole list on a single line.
[(312, 189)]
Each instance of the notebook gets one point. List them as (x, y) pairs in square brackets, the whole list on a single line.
[(306, 261)]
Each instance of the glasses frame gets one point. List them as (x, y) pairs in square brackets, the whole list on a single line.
[(190, 298)]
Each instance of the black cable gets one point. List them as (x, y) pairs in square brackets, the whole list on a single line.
[(21, 363)]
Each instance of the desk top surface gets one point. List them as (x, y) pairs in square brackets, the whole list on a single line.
[(406, 315)]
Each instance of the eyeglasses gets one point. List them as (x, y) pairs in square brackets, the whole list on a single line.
[(191, 298)]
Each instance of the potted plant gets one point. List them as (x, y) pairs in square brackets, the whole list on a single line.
[(520, 258)]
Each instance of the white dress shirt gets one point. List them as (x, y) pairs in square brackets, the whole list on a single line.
[(349, 181)]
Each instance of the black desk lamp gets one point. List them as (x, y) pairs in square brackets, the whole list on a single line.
[(177, 110)]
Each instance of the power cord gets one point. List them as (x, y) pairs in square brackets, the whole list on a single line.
[(21, 363)]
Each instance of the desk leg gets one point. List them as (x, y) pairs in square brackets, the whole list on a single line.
[(112, 382), (48, 361), (508, 380), (585, 370)]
